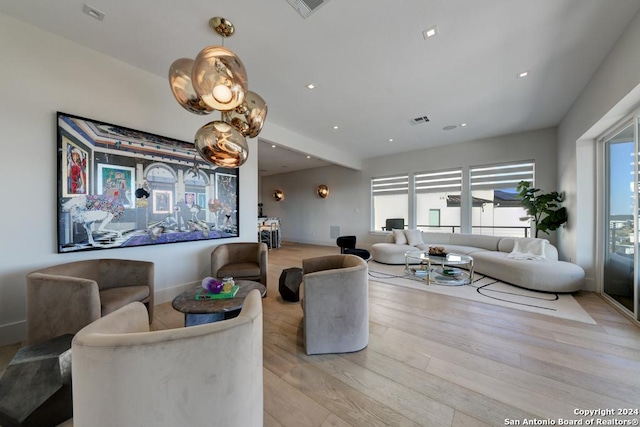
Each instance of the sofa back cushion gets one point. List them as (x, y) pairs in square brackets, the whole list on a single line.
[(399, 237), (436, 238), (414, 237), (476, 240)]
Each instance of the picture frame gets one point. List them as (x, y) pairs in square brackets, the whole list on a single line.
[(120, 187)]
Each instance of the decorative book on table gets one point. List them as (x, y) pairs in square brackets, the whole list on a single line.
[(204, 294)]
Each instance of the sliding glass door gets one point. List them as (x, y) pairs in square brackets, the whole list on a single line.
[(620, 267)]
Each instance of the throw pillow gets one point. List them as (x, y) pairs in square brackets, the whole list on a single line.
[(414, 237), (399, 237)]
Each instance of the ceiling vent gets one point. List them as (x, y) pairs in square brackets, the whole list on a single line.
[(306, 7), (419, 120)]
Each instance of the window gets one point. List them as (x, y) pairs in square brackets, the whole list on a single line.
[(495, 210), (437, 196), (619, 269), (389, 199), (434, 217)]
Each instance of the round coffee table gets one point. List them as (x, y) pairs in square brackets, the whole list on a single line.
[(439, 268), (199, 312)]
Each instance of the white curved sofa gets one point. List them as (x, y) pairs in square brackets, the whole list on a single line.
[(491, 257)]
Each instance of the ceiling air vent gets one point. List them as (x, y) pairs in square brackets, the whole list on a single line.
[(419, 120), (306, 7)]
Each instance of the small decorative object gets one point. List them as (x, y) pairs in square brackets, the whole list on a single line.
[(323, 191), (227, 283), (436, 250), (141, 192), (212, 285)]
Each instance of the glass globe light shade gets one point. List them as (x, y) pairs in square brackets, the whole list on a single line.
[(221, 144), (219, 78), (182, 89), (249, 116)]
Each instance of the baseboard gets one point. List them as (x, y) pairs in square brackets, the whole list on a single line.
[(12, 333), (589, 284)]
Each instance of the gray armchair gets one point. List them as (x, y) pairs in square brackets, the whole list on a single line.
[(205, 375), (246, 261), (335, 304), (64, 298)]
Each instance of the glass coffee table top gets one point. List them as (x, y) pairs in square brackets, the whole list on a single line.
[(446, 269)]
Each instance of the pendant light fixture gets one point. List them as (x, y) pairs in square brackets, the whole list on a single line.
[(217, 80)]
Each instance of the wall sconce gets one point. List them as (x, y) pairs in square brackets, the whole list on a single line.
[(323, 191), (278, 195)]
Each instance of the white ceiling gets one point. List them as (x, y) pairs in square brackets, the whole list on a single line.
[(373, 68)]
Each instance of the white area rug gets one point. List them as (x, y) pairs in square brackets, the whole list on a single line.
[(490, 291)]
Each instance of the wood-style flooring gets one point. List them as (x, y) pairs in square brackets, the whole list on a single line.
[(434, 360)]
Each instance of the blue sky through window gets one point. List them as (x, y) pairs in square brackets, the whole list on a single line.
[(621, 177)]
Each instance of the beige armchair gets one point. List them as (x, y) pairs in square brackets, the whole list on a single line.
[(247, 261), (64, 298), (205, 375), (335, 304)]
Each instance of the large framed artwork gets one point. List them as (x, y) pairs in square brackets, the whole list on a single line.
[(119, 187)]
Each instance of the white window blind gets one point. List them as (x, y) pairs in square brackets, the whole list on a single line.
[(501, 176), (390, 185), (444, 181)]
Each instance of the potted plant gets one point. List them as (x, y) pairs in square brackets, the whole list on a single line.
[(545, 209)]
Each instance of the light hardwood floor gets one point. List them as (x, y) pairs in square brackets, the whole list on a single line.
[(434, 360)]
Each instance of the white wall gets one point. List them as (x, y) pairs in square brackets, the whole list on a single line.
[(307, 218), (612, 93), (42, 74)]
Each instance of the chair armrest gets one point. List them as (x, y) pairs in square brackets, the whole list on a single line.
[(263, 262), (58, 305), (328, 262)]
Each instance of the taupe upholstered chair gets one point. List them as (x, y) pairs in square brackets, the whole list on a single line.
[(205, 375), (64, 298), (335, 304), (247, 261)]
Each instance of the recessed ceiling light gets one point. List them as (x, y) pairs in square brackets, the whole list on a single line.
[(273, 146), (93, 12), (522, 74), (311, 86), (390, 139), (335, 127), (463, 125), (308, 157), (430, 32)]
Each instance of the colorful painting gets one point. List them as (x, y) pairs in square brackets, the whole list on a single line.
[(119, 187)]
